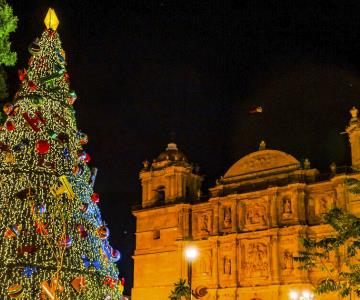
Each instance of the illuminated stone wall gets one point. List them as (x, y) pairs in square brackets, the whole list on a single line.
[(247, 232)]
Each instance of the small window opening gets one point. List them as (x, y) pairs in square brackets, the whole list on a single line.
[(160, 194), (156, 235)]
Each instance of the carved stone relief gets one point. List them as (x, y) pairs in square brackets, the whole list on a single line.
[(256, 260), (255, 214), (200, 292), (227, 217), (287, 209), (288, 262), (323, 204), (204, 223), (227, 265), (203, 265)]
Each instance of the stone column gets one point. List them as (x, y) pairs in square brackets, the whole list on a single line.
[(274, 204), (275, 263)]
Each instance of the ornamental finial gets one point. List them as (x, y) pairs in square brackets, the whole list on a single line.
[(51, 21), (354, 112), (262, 145)]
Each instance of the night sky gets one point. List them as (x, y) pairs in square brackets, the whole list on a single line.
[(145, 69)]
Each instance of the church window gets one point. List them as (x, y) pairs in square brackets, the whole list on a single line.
[(160, 194)]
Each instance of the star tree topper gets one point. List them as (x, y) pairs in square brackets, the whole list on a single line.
[(51, 21)]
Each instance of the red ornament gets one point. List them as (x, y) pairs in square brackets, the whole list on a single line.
[(111, 282), (26, 249), (41, 228), (65, 242), (115, 255), (82, 231), (32, 85), (34, 121), (87, 158), (82, 155), (22, 74), (10, 126), (67, 77), (95, 198), (42, 146)]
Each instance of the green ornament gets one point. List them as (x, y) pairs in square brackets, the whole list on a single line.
[(53, 135)]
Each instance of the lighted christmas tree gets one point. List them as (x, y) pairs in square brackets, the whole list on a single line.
[(53, 242)]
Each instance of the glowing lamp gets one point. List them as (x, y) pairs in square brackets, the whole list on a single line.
[(191, 253), (302, 295), (51, 21), (293, 295)]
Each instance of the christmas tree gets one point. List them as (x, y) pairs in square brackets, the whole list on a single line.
[(53, 242)]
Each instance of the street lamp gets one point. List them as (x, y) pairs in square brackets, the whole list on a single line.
[(304, 295), (191, 253)]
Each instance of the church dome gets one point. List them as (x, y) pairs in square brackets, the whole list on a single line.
[(262, 162), (171, 153)]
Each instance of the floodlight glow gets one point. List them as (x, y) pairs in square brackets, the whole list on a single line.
[(306, 294), (191, 253), (293, 295)]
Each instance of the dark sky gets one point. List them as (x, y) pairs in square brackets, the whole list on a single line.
[(144, 69)]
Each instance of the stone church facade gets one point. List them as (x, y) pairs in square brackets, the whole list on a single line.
[(247, 231)]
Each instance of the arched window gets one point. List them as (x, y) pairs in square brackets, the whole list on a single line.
[(160, 194)]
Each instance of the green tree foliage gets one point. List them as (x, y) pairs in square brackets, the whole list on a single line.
[(342, 247), (8, 24), (180, 291), (3, 90)]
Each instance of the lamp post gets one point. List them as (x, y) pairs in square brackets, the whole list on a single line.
[(304, 295), (191, 253)]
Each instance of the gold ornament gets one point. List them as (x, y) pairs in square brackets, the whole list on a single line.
[(13, 231), (121, 287), (79, 284), (48, 290), (9, 158), (15, 291), (65, 188)]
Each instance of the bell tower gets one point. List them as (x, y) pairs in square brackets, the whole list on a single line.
[(170, 178), (353, 131), (170, 186)]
